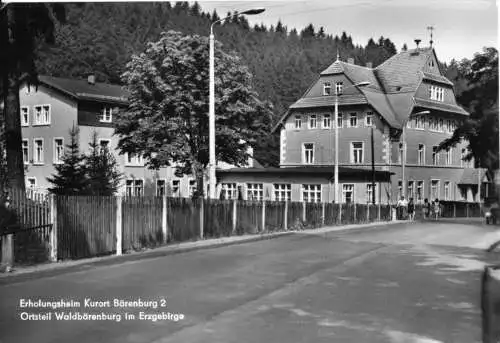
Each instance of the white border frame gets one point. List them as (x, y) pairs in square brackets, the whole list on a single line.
[(43, 151), (54, 150)]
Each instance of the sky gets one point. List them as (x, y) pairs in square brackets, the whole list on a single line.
[(461, 27)]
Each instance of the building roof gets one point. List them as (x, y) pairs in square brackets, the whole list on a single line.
[(392, 87), (83, 90)]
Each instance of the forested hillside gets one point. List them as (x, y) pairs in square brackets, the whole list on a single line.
[(100, 38)]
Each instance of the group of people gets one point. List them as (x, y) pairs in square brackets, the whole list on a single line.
[(406, 209)]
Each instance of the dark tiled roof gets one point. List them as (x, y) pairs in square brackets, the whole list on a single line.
[(436, 78), (82, 90), (328, 101), (471, 176), (440, 106)]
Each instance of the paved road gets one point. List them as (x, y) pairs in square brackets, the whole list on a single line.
[(402, 283)]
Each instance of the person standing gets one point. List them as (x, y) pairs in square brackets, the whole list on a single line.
[(427, 208), (411, 209), (437, 209), (401, 208)]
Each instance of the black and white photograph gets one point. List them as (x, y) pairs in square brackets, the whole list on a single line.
[(250, 171)]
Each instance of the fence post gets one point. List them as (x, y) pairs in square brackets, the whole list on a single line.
[(119, 226), (164, 225), (7, 258), (355, 212), (303, 211), (285, 217), (467, 210), (263, 215), (202, 216), (368, 213), (378, 214), (235, 206), (53, 232), (322, 214), (454, 210), (340, 213)]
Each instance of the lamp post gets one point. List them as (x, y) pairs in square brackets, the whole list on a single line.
[(336, 167), (211, 99), (403, 154)]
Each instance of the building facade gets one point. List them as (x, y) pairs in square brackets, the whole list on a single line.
[(405, 104)]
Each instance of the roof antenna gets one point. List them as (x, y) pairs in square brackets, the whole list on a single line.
[(431, 28)]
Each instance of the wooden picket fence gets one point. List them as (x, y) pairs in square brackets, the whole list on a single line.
[(74, 227)]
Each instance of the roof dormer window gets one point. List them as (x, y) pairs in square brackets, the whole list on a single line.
[(106, 115), (327, 88), (436, 93), (338, 88)]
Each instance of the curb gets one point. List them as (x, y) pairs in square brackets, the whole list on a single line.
[(72, 266)]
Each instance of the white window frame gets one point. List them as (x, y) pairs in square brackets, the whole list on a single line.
[(435, 156), (37, 121), (55, 160), (282, 192), (447, 190), (400, 188), (311, 193), (441, 125), (327, 121), (462, 155), (31, 178), (340, 120), (298, 122), (25, 121), (353, 116), (339, 87), (421, 154), (176, 187), (134, 186), (35, 162), (420, 123), (104, 115), (410, 189), (369, 193), (305, 154), (400, 152), (420, 185), (431, 193), (192, 186), (313, 121), (347, 187), (26, 147), (104, 140), (159, 187), (229, 190), (132, 160), (327, 88), (352, 151), (449, 156), (255, 191), (369, 119)]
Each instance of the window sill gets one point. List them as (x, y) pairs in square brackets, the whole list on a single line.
[(134, 165), (38, 163), (45, 124), (25, 125)]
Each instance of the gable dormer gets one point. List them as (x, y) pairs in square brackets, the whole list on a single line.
[(432, 65)]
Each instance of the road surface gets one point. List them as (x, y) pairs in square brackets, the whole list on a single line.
[(411, 282)]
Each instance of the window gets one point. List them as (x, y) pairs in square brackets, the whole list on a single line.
[(38, 151), (58, 150), (32, 182), (449, 156), (433, 124), (326, 121), (311, 193), (338, 87), (255, 191), (369, 192), (298, 122), (348, 193), (134, 187), (161, 188), (282, 192), (449, 126), (436, 93), (420, 123), (327, 88), (133, 160), (106, 115), (229, 191), (25, 116), (340, 122), (176, 188), (434, 189), (410, 190), (313, 121), (42, 115), (435, 156), (421, 154), (420, 190), (192, 187), (400, 153), (353, 120), (400, 189), (104, 144), (369, 119), (26, 155), (440, 125), (308, 153), (357, 152), (447, 192)]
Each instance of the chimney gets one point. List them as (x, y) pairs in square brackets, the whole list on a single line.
[(91, 79), (350, 60), (417, 41), (369, 64)]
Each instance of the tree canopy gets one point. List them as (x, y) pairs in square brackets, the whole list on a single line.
[(167, 120)]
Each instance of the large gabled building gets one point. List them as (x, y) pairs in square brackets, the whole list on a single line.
[(408, 92)]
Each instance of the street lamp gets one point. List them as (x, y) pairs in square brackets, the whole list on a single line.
[(211, 106), (336, 170), (403, 154)]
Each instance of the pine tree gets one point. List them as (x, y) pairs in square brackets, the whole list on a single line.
[(102, 170), (70, 178)]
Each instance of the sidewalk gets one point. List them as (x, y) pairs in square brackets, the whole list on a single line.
[(22, 273)]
